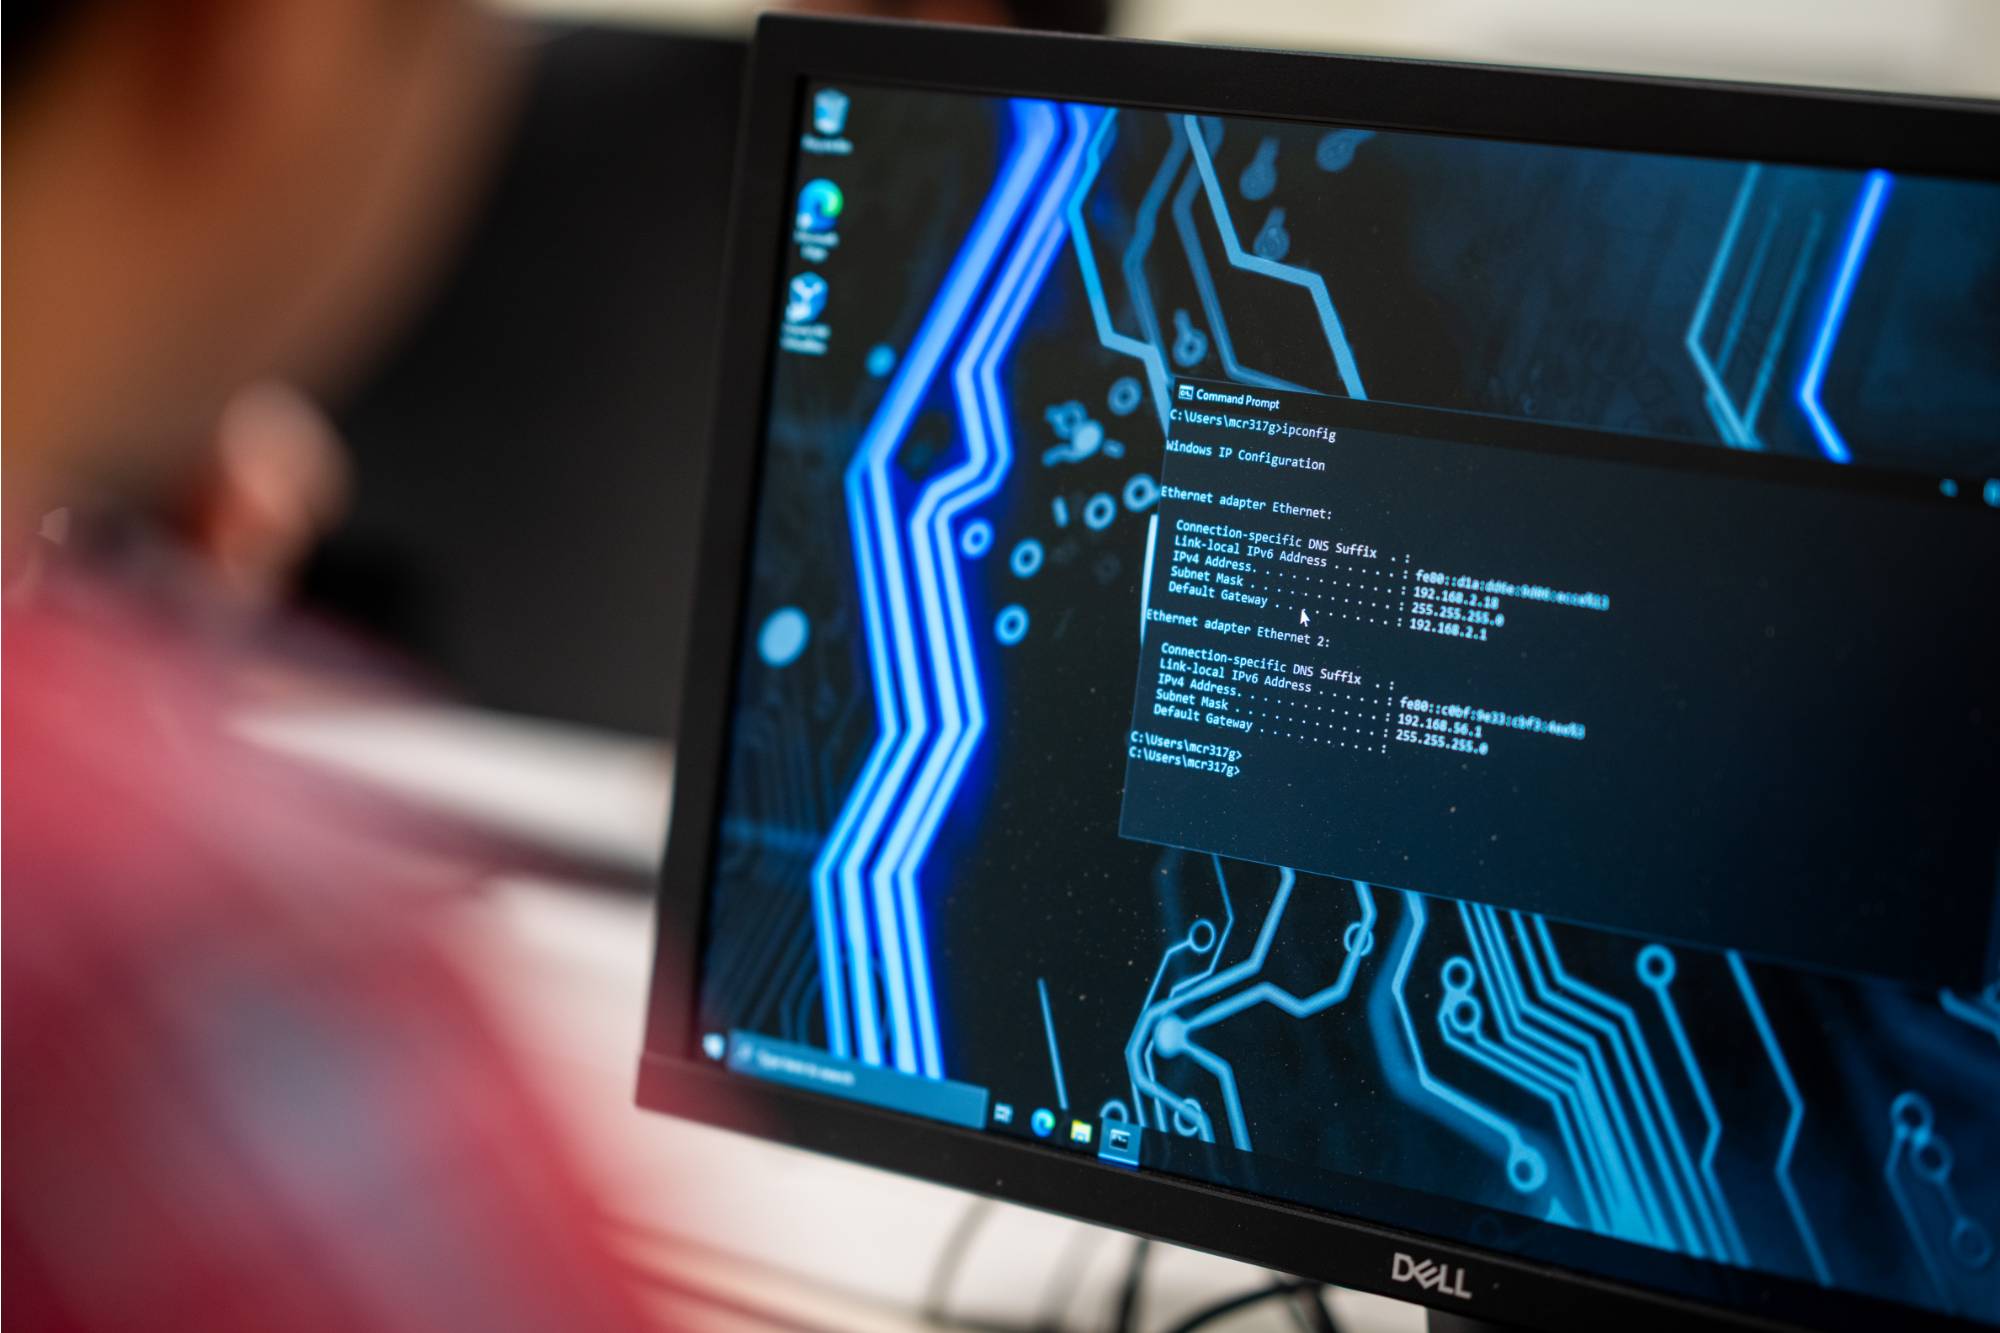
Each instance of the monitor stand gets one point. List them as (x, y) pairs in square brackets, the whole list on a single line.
[(1442, 1321)]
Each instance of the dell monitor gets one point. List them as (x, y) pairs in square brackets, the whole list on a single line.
[(1385, 668)]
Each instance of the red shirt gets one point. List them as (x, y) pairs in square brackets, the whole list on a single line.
[(242, 1090)]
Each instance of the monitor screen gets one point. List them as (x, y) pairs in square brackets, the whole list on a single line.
[(1447, 681)]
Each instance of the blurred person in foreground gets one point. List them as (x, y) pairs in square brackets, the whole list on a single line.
[(243, 1089)]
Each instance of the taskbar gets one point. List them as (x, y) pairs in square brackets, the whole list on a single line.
[(1116, 1142), (1113, 1141)]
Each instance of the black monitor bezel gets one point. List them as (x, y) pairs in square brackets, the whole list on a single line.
[(1818, 127)]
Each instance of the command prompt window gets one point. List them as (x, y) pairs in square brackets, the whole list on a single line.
[(1741, 701)]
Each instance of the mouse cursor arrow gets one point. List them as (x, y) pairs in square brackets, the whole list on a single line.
[(1305, 619)]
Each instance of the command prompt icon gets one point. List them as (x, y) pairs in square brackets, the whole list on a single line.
[(1120, 1144)]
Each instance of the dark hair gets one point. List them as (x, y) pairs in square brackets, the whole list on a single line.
[(27, 28)]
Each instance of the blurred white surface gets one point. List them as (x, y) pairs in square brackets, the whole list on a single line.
[(1926, 46), (494, 770)]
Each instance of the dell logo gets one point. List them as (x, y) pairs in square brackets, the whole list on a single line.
[(1430, 1275)]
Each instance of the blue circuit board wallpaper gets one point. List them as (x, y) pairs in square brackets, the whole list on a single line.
[(988, 304)]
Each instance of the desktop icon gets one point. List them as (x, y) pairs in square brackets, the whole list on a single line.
[(1043, 1122), (820, 205), (1003, 1113), (829, 112), (805, 298), (1079, 1131), (1119, 1144)]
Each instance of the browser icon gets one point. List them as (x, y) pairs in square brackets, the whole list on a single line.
[(820, 206)]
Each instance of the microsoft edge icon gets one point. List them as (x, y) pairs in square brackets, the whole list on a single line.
[(829, 112), (819, 206), (805, 298)]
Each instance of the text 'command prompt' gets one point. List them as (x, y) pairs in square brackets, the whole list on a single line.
[(1743, 702)]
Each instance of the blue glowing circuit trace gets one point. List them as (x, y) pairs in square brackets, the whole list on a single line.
[(1313, 283), (1789, 1147), (1920, 1156), (1191, 346), (1167, 1026), (848, 929), (1860, 234), (1736, 423), (1510, 1010), (1147, 351), (929, 695), (1055, 1049)]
